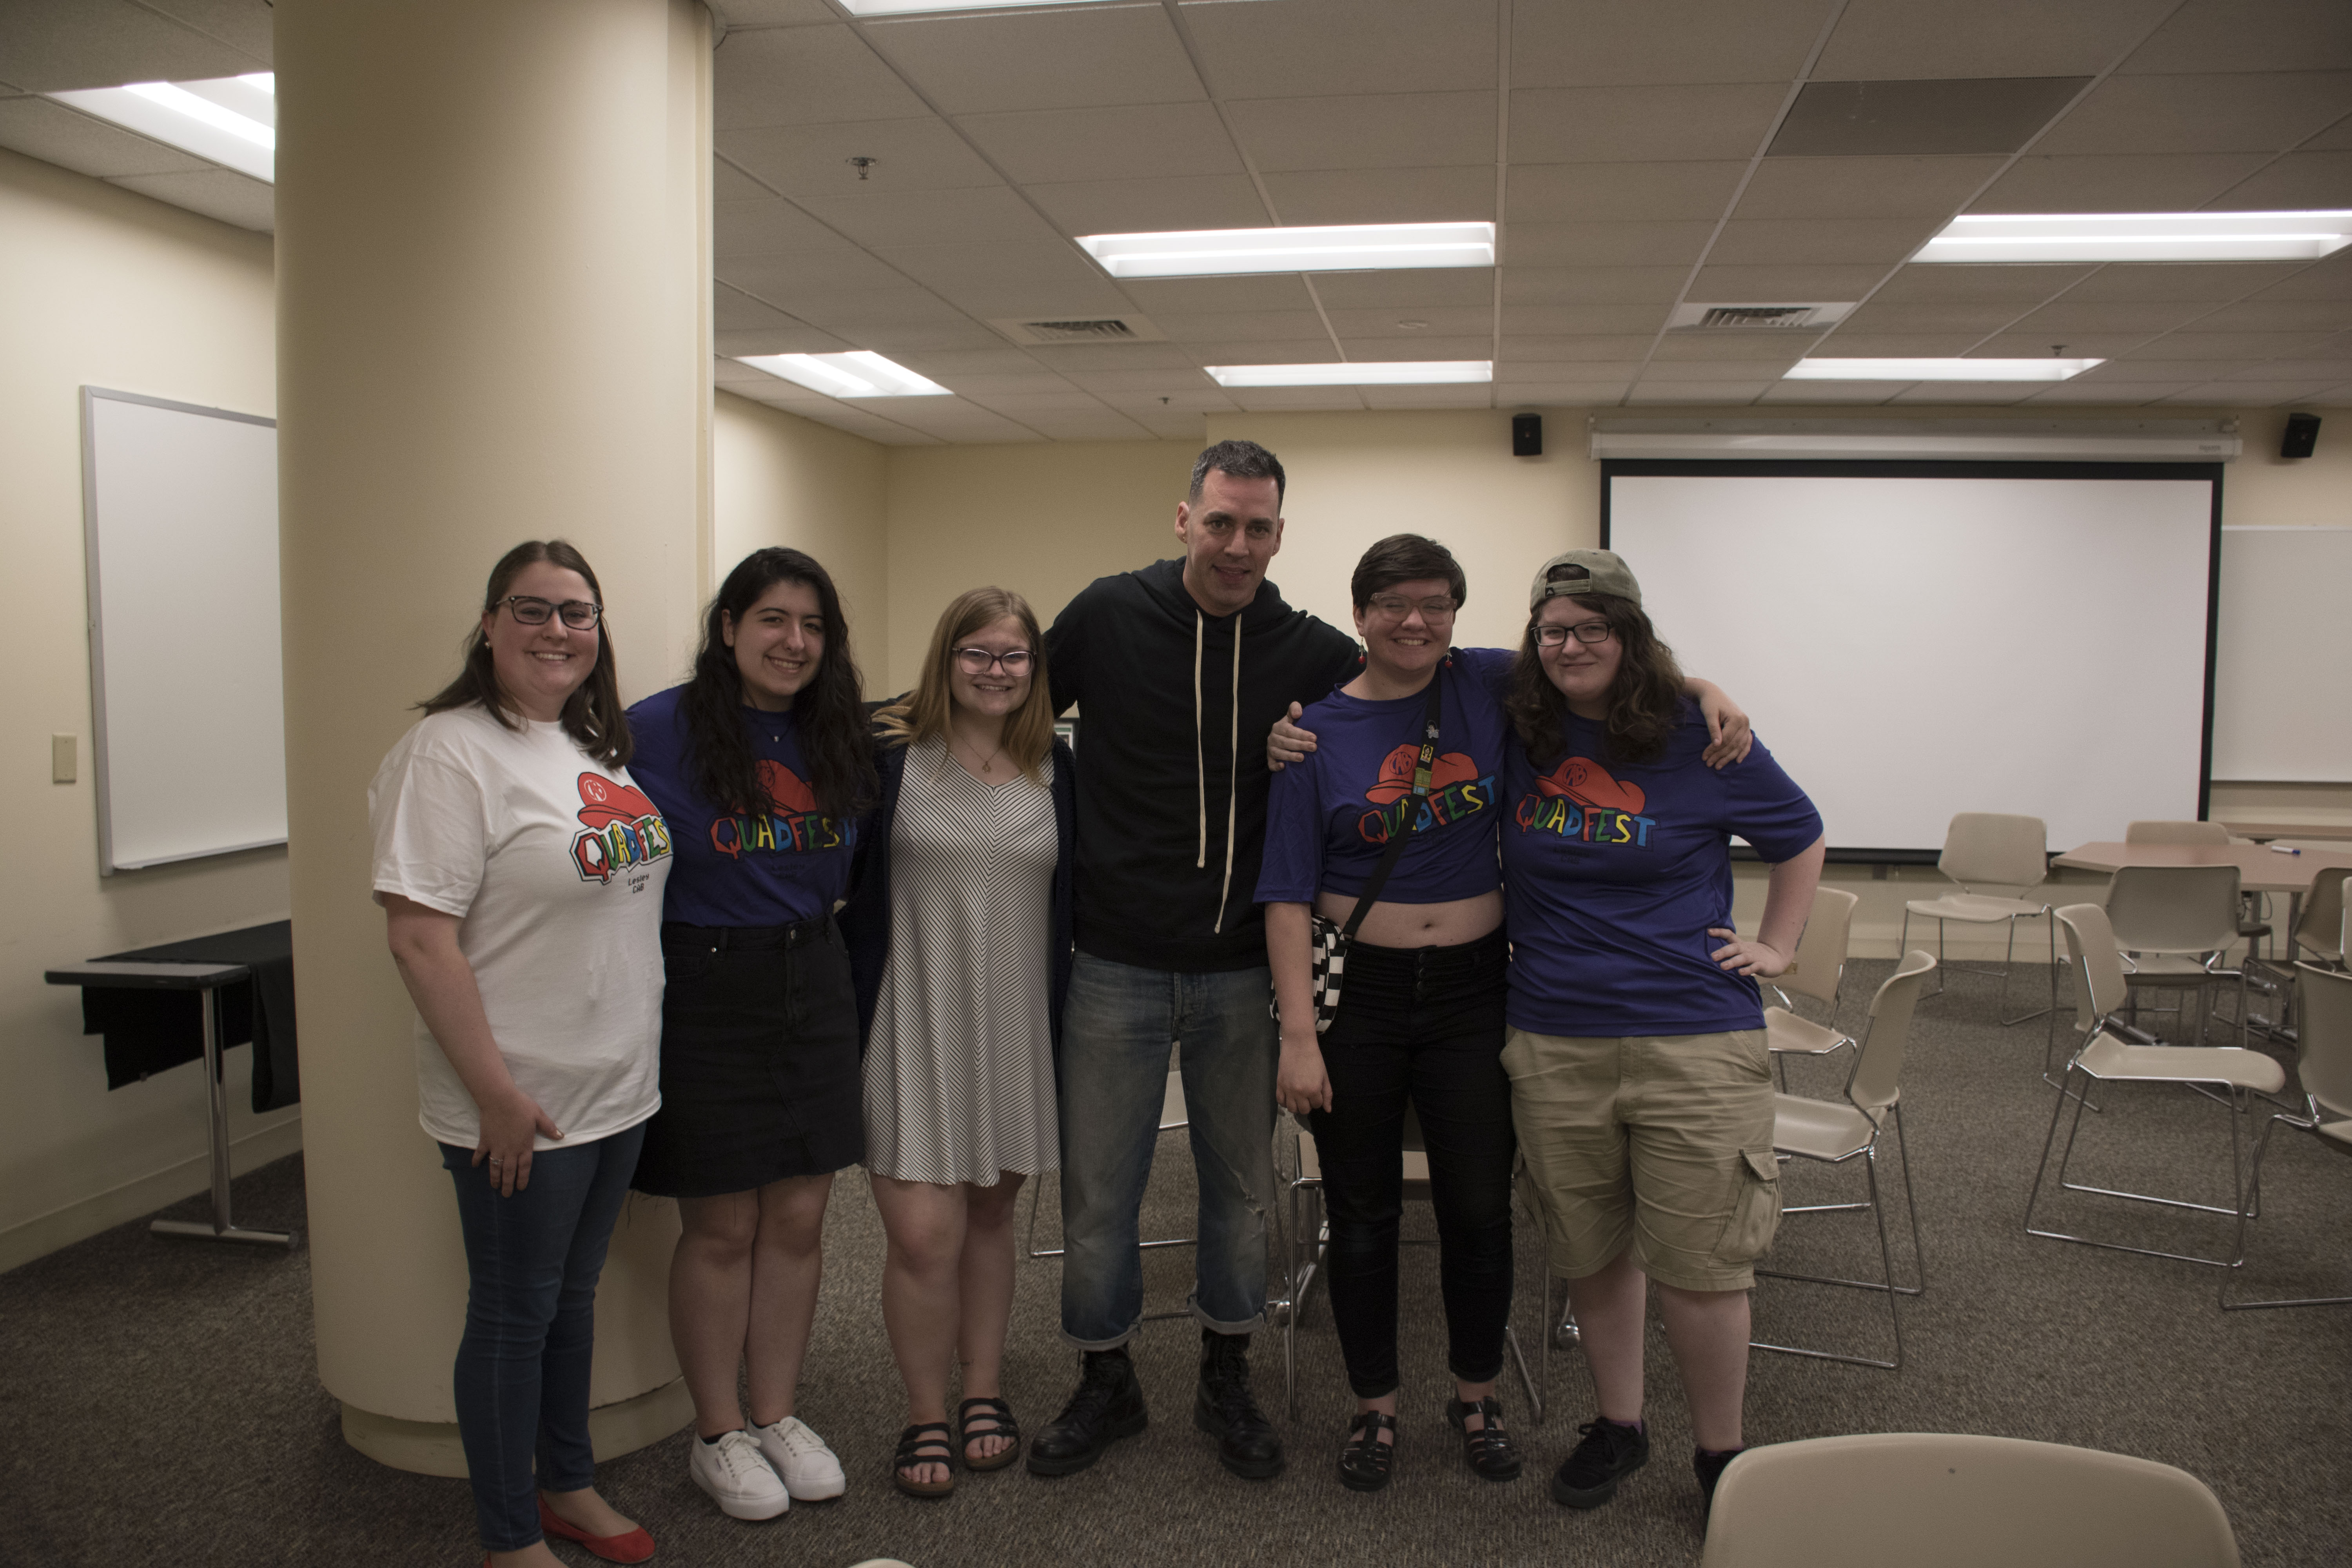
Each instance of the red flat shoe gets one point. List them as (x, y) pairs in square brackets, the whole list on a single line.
[(634, 1547)]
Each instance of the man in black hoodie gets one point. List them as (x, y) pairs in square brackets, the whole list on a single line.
[(1180, 670)]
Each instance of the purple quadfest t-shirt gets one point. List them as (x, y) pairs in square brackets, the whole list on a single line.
[(732, 868), (1329, 819), (1614, 872)]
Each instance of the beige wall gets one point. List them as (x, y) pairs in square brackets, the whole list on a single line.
[(101, 288), (778, 479)]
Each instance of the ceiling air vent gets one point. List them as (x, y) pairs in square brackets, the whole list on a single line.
[(1081, 330), (1813, 317)]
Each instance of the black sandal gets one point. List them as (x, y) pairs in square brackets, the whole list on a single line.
[(1364, 1460), (915, 1448), (1493, 1456), (994, 1410)]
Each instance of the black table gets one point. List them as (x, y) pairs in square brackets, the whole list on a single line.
[(148, 1032)]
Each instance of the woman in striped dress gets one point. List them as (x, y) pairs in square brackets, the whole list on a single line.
[(960, 942)]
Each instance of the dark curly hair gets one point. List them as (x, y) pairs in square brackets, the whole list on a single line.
[(591, 715), (829, 712), (1644, 701)]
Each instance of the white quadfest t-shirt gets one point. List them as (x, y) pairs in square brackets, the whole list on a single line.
[(554, 865)]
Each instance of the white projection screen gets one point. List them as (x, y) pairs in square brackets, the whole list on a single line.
[(1919, 639)]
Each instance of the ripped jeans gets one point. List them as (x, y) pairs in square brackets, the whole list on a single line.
[(1116, 1031)]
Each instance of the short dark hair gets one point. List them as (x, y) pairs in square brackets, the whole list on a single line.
[(591, 715), (1405, 558), (1240, 460)]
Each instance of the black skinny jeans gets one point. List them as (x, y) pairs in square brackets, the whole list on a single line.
[(1423, 1023)]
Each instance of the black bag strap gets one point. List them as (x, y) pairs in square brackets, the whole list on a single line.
[(1420, 773)]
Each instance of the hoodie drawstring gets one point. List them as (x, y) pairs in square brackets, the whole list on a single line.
[(1200, 765)]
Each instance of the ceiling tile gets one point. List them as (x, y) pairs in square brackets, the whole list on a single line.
[(1459, 397), (1981, 114), (1377, 349), (1972, 320), (1766, 285), (2281, 316), (2144, 317), (1568, 320), (2249, 36), (896, 330), (1581, 43), (2249, 394), (738, 13), (2213, 282), (2298, 181), (1588, 124), (243, 25), (2027, 342), (1592, 285), (1018, 405), (1082, 57), (2113, 394), (1992, 393), (1846, 343), (1190, 327), (1721, 370), (1149, 206), (785, 276), (1325, 47), (1750, 349), (991, 280), (923, 155), (731, 310), (794, 337), (2235, 345), (2327, 280), (1262, 291), (2178, 370), (2314, 370), (55, 134), (1385, 131), (1830, 392), (1886, 39), (1514, 366), (986, 217), (1557, 394), (1254, 350), (1941, 284), (1124, 387), (804, 76), (1863, 187), (1604, 244), (2240, 112), (730, 184), (2337, 137), (765, 227), (49, 46), (1372, 322), (953, 419), (1392, 194), (2116, 182), (725, 371), (1152, 141), (1103, 425), (1630, 347), (1768, 242), (1078, 361), (1272, 399), (1004, 360), (1174, 397), (1650, 389), (989, 387), (1419, 289), (872, 426), (221, 193), (1561, 193)]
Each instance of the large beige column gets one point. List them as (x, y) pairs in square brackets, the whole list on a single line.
[(493, 325)]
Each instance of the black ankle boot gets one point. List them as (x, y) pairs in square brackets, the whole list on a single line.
[(1221, 1407), (1108, 1406)]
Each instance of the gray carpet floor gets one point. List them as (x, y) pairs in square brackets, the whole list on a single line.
[(159, 1402)]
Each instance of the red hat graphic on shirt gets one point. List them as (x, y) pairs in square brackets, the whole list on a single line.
[(1396, 773), (604, 802), (1587, 782), (786, 788)]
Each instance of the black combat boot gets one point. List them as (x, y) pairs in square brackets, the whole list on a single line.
[(1221, 1407), (1108, 1406)]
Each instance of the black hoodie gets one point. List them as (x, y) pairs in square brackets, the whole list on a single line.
[(1172, 760)]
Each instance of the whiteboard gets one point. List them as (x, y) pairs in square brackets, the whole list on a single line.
[(187, 691), (1919, 644), (2283, 669)]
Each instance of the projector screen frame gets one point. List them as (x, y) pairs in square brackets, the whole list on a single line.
[(1924, 468)]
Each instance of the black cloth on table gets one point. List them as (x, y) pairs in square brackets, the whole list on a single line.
[(147, 1031)]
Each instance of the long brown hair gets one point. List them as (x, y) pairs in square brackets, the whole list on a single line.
[(1645, 700), (591, 715), (829, 713), (923, 712)]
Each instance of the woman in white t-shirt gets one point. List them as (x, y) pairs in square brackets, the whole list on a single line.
[(520, 872)]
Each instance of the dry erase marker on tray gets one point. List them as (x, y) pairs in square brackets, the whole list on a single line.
[(2284, 849)]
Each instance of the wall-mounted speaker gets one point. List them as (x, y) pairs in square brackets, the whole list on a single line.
[(2301, 436), (1527, 434)]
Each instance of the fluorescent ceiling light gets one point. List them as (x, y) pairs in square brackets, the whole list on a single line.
[(1392, 373), (233, 121), (1344, 247), (858, 374), (2141, 236), (1938, 369), (905, 8)]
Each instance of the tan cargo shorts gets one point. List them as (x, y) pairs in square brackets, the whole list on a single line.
[(1660, 1143)]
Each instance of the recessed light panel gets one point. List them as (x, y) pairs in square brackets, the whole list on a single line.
[(1938, 369), (858, 374), (2141, 236), (1342, 247), (232, 119), (1392, 373)]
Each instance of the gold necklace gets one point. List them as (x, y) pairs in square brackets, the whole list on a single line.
[(988, 764)]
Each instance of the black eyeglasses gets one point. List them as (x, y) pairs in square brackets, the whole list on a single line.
[(1583, 631), (979, 661), (578, 614)]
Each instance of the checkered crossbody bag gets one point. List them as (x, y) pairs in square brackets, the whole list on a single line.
[(1328, 955)]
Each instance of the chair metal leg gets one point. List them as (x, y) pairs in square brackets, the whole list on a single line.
[(1535, 1395), (2238, 1251), (2009, 963), (1885, 1284), (2238, 1191)]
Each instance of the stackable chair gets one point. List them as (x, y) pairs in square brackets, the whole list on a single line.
[(1818, 972), (2324, 1070), (1832, 1134), (2230, 1074), (2252, 925), (1987, 849), (2320, 932), (1939, 1499), (2175, 922)]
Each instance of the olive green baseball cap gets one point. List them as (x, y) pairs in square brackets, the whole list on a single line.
[(1603, 572)]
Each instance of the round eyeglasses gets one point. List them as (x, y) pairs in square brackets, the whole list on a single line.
[(578, 614)]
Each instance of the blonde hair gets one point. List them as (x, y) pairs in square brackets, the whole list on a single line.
[(922, 713)]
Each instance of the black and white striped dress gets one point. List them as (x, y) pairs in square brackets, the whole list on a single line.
[(960, 1064)]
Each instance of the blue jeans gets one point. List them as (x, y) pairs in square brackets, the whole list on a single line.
[(1116, 1031), (522, 1380)]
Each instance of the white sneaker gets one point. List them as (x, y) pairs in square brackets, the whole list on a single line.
[(811, 1471), (738, 1480)]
